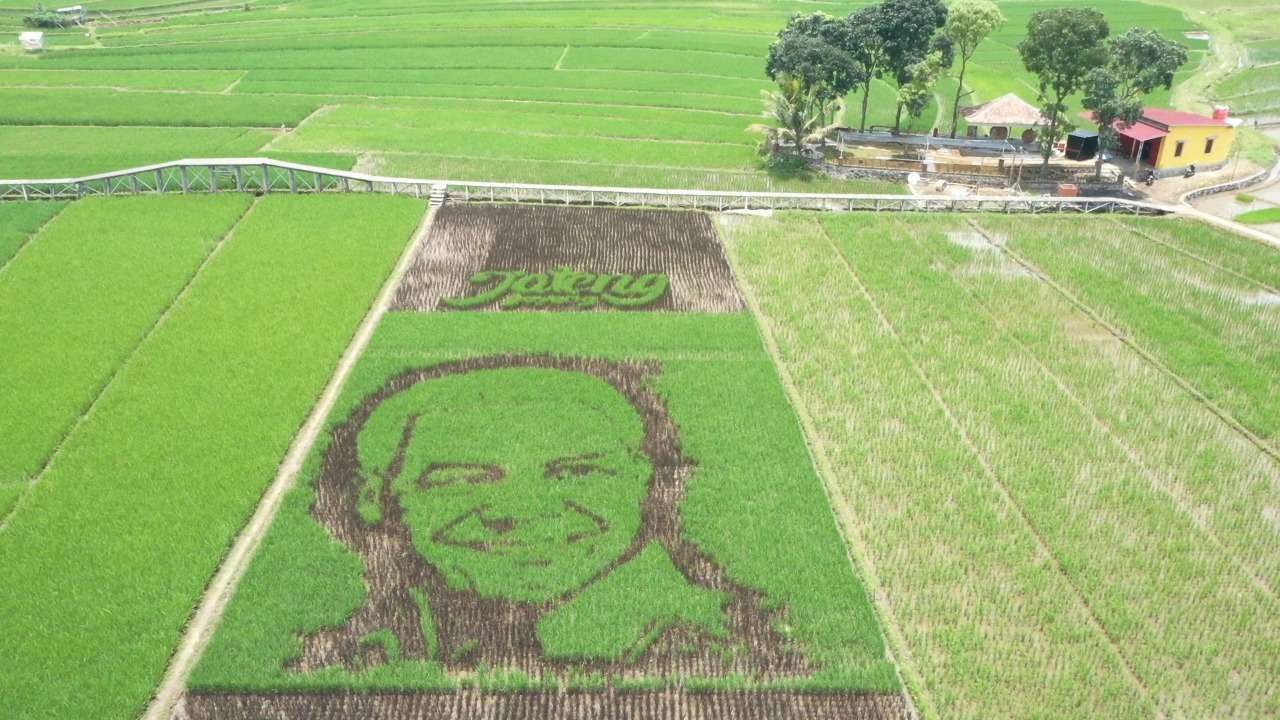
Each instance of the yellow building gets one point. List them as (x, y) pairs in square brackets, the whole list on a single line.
[(1170, 140)]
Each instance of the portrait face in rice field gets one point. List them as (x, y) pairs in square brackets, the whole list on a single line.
[(521, 483), (523, 512)]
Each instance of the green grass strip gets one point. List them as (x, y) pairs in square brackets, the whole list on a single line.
[(1259, 217), (85, 294), (144, 501)]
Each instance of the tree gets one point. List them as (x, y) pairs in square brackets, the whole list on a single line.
[(914, 95), (908, 30), (817, 64), (1060, 48), (969, 22), (1138, 62), (860, 39), (798, 113)]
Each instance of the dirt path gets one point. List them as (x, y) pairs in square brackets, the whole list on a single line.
[(200, 628)]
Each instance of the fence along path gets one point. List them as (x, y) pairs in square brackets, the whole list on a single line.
[(262, 175)]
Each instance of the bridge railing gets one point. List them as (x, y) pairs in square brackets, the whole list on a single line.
[(262, 175)]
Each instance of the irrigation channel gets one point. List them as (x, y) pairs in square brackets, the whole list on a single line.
[(262, 175)]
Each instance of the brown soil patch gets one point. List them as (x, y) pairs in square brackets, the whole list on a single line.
[(550, 705), (467, 239)]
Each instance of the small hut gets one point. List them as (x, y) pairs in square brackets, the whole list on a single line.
[(1003, 114)]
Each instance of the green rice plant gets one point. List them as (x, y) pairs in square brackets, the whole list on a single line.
[(566, 123), (501, 145), (1081, 491), (19, 221), (986, 627), (1086, 446), (1254, 260), (364, 90), (1214, 329), (132, 79), (87, 292), (1249, 81), (614, 175), (80, 106), (373, 58), (77, 151), (148, 493)]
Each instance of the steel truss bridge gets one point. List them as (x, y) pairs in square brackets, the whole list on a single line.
[(263, 176)]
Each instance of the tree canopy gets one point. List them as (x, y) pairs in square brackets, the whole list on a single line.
[(1060, 48), (804, 51), (908, 31), (1138, 62)]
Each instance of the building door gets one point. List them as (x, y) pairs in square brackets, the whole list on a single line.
[(1151, 151)]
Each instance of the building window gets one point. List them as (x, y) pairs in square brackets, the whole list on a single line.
[(1208, 146), (1177, 149)]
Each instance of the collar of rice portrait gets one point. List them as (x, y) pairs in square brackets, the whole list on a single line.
[(562, 287)]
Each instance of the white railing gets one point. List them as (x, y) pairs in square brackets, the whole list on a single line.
[(262, 175)]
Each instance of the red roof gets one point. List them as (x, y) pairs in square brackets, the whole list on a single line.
[(1139, 131), (1167, 118), (1170, 118)]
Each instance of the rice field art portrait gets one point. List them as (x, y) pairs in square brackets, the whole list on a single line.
[(558, 513), (491, 522)]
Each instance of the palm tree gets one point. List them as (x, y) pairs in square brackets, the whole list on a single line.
[(798, 113)]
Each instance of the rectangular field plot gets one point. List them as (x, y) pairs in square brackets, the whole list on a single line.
[(555, 515), (84, 294), (1056, 521), (80, 150), (107, 555)]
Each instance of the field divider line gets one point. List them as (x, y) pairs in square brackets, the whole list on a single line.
[(320, 110), (1154, 478), (119, 370), (1194, 256), (914, 689), (1221, 413), (200, 628), (30, 238), (231, 88), (1042, 544)]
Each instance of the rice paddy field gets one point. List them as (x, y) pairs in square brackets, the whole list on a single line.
[(669, 464), (589, 463), (588, 92)]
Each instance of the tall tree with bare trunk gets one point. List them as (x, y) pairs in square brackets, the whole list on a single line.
[(969, 22)]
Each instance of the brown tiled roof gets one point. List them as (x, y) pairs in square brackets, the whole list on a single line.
[(1005, 110)]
